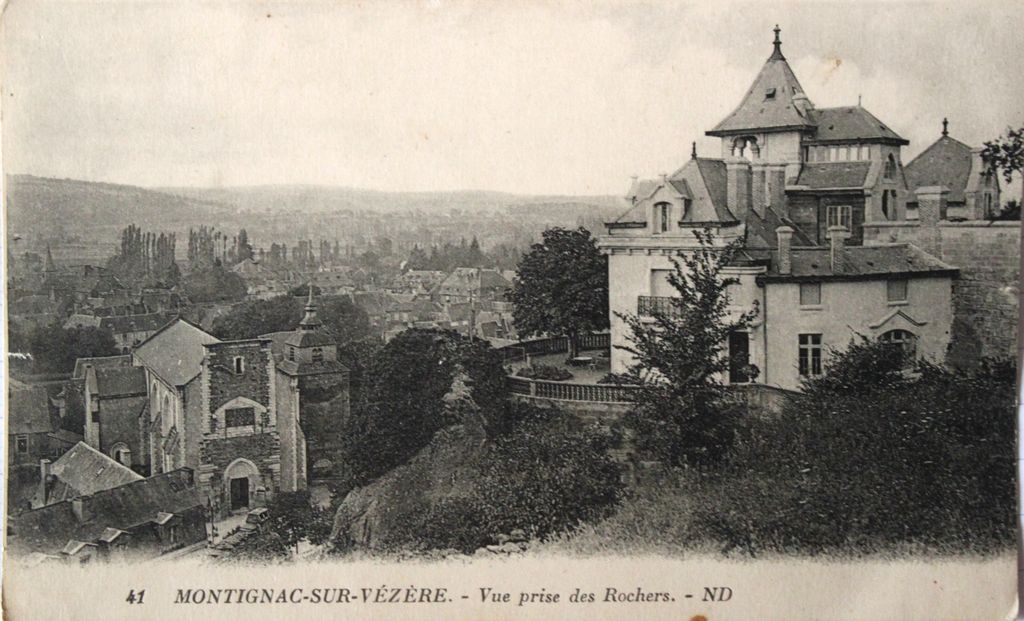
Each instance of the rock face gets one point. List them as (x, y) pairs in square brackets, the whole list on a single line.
[(376, 514)]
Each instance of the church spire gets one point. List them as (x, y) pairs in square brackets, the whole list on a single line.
[(310, 321), (777, 52)]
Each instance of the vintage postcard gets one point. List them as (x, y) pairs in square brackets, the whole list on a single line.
[(525, 310)]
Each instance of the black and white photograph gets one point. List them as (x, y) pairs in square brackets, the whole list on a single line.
[(523, 310)]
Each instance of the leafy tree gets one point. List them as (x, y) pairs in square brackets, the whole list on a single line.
[(213, 284), (55, 349), (680, 414), (340, 317), (404, 407), (561, 287), (405, 386), (1006, 154)]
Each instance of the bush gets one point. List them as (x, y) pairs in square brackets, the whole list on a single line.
[(548, 475), (545, 372), (870, 458)]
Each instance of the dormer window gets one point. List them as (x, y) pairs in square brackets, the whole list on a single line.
[(661, 217), (769, 93), (291, 353)]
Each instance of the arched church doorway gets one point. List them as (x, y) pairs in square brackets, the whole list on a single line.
[(241, 478)]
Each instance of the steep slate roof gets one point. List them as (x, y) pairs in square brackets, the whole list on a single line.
[(103, 362), (759, 111), (28, 411), (834, 175), (48, 529), (120, 382), (714, 175), (83, 471), (175, 353), (859, 262), (123, 324), (851, 123), (947, 162)]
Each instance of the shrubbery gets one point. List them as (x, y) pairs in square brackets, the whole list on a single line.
[(545, 372), (546, 476)]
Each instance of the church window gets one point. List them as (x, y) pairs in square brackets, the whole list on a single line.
[(988, 205), (238, 363), (291, 353), (318, 354), (841, 215), (240, 417), (885, 205), (833, 154), (22, 444)]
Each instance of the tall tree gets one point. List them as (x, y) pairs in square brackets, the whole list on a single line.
[(1006, 154), (680, 415), (561, 287)]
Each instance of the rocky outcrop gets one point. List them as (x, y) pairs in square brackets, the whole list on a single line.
[(375, 515)]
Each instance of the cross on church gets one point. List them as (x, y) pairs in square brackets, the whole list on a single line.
[(945, 127)]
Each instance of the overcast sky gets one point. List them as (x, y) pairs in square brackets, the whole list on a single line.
[(528, 97)]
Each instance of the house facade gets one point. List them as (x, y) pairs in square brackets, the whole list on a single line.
[(795, 187)]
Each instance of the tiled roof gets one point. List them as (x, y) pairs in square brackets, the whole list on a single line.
[(859, 262), (834, 175), (120, 382), (175, 353), (768, 103), (83, 471), (947, 162), (851, 123), (28, 411), (104, 362), (123, 324), (50, 528)]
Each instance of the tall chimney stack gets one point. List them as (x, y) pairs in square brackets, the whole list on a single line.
[(785, 235), (837, 235), (738, 193)]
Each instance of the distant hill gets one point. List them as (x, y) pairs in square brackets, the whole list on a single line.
[(44, 206), (327, 199)]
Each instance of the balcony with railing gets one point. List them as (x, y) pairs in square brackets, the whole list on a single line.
[(648, 305)]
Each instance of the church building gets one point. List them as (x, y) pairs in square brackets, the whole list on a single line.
[(227, 410)]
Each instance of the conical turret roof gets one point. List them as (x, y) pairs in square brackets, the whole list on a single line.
[(774, 101)]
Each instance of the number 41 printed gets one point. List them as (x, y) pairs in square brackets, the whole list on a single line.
[(135, 598)]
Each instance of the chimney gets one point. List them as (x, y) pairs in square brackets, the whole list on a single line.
[(837, 235), (775, 179), (758, 190), (931, 204), (738, 186), (44, 479), (785, 235), (81, 510)]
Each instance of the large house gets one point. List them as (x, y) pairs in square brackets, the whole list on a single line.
[(796, 185)]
